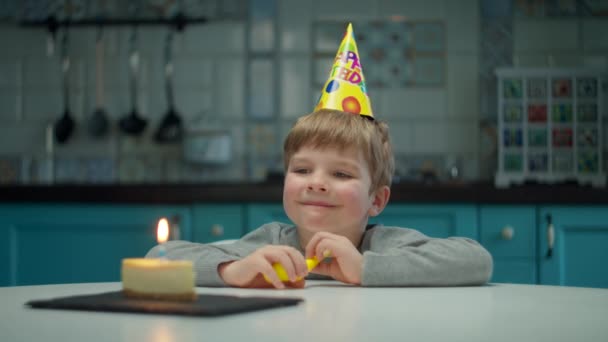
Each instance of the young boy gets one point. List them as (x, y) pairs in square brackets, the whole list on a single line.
[(339, 166)]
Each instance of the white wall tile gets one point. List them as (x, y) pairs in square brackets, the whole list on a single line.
[(605, 134), (463, 85), (406, 103), (22, 140), (193, 72), (43, 105), (596, 61), (262, 35), (402, 137), (192, 103), (566, 60), (344, 9), (295, 87), (261, 101), (462, 137), (150, 41), (230, 81), (557, 59), (215, 38), (24, 41), (42, 71), (8, 105), (462, 26), (430, 137), (9, 73), (594, 34), (413, 9), (530, 59), (545, 35), (294, 25)]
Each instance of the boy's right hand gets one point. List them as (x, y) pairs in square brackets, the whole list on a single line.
[(250, 271)]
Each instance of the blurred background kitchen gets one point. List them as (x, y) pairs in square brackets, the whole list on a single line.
[(243, 71), (114, 114)]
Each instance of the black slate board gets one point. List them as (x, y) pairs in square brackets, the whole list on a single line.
[(205, 305)]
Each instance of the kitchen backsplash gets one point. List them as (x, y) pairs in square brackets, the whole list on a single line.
[(243, 78)]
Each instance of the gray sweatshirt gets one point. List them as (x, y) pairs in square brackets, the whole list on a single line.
[(392, 256)]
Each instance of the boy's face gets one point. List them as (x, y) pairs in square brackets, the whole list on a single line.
[(328, 190)]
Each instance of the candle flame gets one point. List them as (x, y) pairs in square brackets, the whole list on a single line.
[(162, 231)]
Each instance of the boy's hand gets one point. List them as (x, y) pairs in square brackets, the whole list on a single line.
[(250, 271), (346, 261)]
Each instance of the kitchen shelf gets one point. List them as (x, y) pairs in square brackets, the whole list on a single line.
[(550, 126)]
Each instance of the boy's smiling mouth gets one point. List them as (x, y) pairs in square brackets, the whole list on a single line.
[(317, 204)]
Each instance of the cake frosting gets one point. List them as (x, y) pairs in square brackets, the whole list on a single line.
[(158, 279)]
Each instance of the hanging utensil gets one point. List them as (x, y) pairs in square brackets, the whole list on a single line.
[(170, 129), (64, 127), (133, 124), (98, 123)]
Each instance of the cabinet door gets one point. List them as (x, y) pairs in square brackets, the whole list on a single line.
[(217, 222), (433, 220), (259, 214), (509, 234), (580, 248), (46, 244)]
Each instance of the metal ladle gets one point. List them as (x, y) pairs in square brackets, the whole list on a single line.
[(171, 128), (64, 127), (98, 124), (133, 124)]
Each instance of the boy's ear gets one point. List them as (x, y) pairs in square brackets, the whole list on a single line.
[(379, 200)]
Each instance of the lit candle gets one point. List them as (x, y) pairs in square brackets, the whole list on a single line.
[(162, 235)]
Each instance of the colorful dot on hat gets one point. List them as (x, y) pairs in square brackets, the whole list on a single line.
[(332, 85), (351, 105)]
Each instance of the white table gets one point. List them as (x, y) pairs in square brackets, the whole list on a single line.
[(331, 312)]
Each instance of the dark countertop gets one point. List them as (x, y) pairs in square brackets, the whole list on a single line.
[(481, 193)]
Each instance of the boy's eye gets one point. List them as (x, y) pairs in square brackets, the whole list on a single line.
[(340, 174), (300, 170)]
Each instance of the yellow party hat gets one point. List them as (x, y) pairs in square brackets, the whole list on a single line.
[(345, 88)]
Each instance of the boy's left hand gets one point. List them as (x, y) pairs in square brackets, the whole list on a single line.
[(346, 261)]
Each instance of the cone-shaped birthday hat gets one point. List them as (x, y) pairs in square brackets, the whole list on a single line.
[(345, 88)]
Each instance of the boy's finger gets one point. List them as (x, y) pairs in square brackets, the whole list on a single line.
[(324, 249), (312, 245), (299, 262), (271, 276), (282, 257), (299, 284)]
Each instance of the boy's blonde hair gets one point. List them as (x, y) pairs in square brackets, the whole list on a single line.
[(333, 128)]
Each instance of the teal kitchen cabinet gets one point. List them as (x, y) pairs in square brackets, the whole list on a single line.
[(579, 255), (433, 220), (442, 220), (214, 222), (68, 243), (259, 214), (509, 233)]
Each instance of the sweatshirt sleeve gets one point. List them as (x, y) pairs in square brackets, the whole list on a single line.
[(207, 257), (405, 257)]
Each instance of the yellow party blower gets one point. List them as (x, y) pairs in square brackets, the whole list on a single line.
[(282, 274)]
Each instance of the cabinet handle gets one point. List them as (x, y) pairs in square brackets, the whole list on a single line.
[(507, 233), (217, 230), (550, 236)]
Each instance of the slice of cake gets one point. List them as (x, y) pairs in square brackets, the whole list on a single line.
[(158, 279)]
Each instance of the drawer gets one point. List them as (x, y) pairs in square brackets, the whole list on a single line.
[(508, 231)]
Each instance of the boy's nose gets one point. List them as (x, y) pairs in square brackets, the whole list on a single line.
[(316, 184)]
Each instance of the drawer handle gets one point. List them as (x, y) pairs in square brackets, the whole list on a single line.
[(507, 233), (217, 230), (550, 236)]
